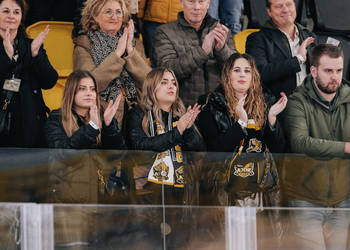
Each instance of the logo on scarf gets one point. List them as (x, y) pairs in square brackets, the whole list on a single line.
[(254, 146)]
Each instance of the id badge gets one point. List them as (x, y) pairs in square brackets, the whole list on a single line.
[(12, 84)]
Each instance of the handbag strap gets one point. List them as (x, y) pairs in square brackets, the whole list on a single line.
[(8, 96), (234, 158)]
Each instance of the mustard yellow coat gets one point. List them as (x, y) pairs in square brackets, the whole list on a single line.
[(161, 11)]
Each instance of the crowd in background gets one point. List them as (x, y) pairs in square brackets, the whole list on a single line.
[(285, 95)]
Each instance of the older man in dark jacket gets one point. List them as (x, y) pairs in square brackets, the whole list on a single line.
[(279, 48), (194, 47)]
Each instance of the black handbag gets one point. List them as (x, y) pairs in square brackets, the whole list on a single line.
[(5, 114), (252, 171)]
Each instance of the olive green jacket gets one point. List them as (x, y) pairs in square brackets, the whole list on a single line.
[(316, 131)]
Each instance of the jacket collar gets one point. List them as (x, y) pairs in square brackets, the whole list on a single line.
[(343, 92), (280, 39), (79, 118), (82, 41), (217, 99)]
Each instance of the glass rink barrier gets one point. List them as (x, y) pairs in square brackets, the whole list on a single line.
[(91, 199)]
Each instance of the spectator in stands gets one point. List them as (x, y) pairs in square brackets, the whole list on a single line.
[(280, 48), (24, 71), (194, 46), (152, 14), (161, 123), (109, 52), (237, 118), (236, 106), (132, 6), (317, 122), (78, 123), (228, 12)]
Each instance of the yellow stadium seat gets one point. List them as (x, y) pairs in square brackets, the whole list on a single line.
[(240, 39), (59, 49)]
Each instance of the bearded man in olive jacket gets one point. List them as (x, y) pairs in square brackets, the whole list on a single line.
[(317, 123), (195, 47)]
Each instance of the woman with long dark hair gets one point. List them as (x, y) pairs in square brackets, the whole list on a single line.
[(239, 119), (238, 106)]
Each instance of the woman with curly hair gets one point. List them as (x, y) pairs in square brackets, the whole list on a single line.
[(238, 110)]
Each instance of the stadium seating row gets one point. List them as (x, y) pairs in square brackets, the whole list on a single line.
[(330, 18)]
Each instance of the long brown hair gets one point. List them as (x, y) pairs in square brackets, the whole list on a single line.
[(93, 8), (69, 120), (148, 100), (255, 104)]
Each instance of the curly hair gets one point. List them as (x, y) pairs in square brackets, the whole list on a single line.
[(255, 104), (93, 8), (148, 100)]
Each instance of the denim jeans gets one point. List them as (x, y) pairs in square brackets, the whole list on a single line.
[(320, 228), (228, 12), (149, 28)]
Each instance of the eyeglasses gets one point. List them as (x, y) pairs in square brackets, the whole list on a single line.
[(110, 13)]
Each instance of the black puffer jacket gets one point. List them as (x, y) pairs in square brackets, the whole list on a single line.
[(222, 134), (84, 137), (137, 139)]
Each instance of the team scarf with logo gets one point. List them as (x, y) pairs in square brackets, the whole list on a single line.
[(168, 166)]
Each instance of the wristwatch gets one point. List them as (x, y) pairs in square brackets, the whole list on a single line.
[(300, 59), (242, 123), (92, 124)]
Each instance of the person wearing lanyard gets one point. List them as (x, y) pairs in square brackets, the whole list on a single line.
[(25, 70)]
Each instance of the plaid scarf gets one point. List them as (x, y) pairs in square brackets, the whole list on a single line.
[(102, 45)]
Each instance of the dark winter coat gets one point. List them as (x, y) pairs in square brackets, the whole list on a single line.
[(137, 139), (84, 137), (222, 134), (271, 51), (27, 106)]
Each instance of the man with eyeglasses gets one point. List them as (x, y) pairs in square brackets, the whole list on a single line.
[(194, 47)]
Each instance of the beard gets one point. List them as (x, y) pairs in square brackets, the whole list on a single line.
[(328, 88)]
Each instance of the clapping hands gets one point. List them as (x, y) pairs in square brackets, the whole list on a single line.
[(241, 112), (186, 121), (8, 38), (277, 108), (38, 41), (111, 110), (125, 41), (108, 113), (216, 38)]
